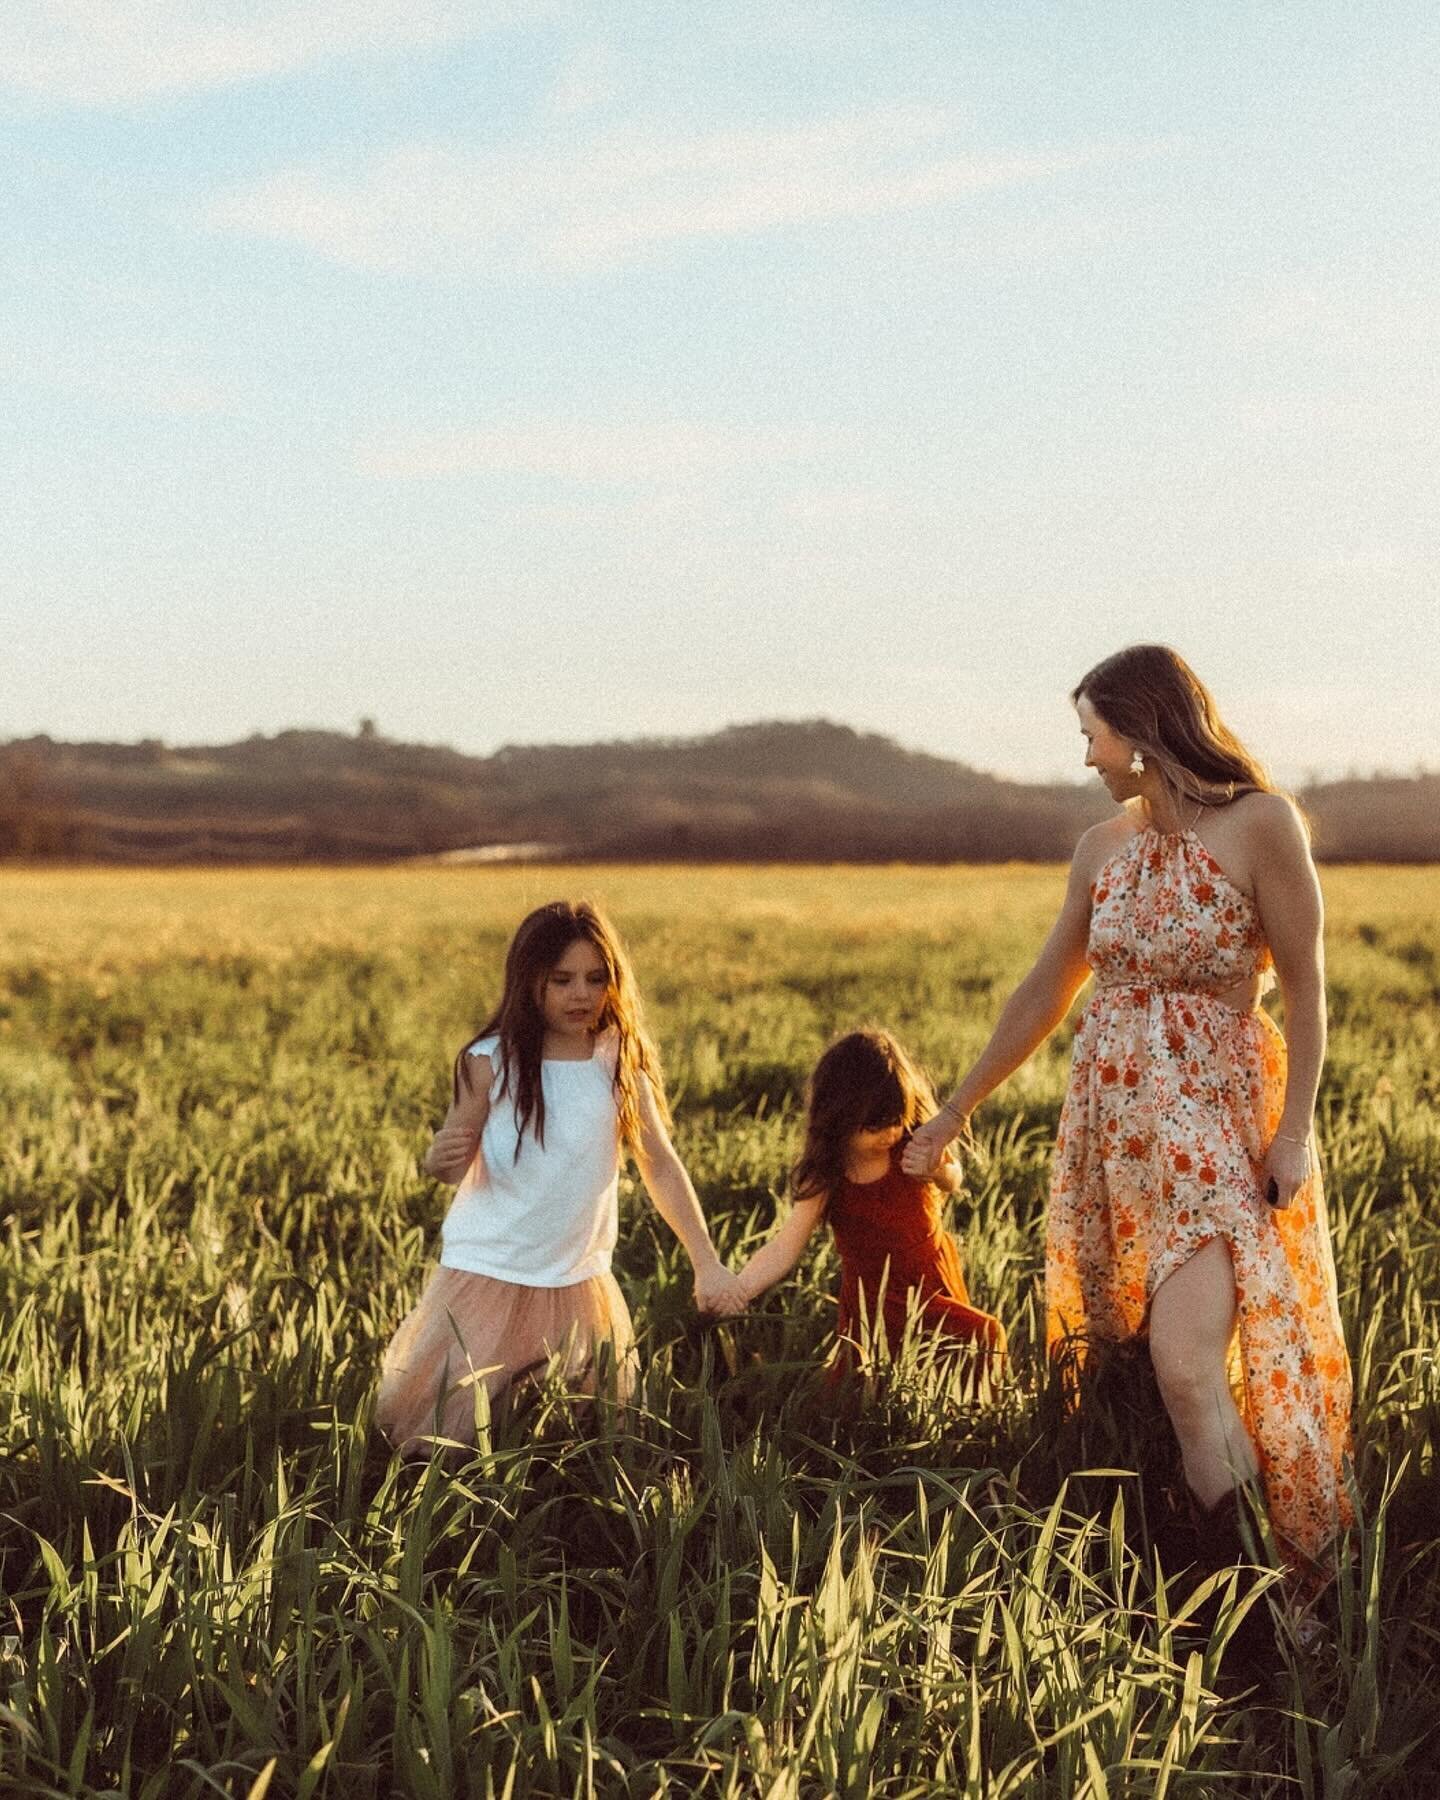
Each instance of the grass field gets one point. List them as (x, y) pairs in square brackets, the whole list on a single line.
[(217, 1088)]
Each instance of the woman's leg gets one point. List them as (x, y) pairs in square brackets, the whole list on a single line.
[(1192, 1319)]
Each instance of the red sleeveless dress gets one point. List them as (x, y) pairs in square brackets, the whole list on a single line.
[(892, 1247)]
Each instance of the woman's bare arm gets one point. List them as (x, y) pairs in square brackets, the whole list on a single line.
[(454, 1146), (1032, 1012), (1292, 916)]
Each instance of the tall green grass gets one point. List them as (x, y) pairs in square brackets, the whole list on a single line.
[(217, 1091)]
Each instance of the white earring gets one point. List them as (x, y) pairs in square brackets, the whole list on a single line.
[(1137, 764)]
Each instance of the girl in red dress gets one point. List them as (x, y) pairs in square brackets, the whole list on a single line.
[(896, 1259)]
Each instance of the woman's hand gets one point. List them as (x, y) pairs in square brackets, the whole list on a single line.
[(1289, 1164), (921, 1155)]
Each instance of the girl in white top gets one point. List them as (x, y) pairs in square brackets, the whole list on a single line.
[(542, 1101)]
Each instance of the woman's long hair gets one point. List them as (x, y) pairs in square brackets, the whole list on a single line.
[(541, 940), (1150, 695), (863, 1082)]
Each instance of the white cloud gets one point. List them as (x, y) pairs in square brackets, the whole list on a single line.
[(587, 81), (585, 451), (624, 194), (129, 377), (1338, 318), (1321, 419), (903, 508), (118, 52)]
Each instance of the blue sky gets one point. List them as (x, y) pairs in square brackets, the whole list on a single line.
[(540, 371)]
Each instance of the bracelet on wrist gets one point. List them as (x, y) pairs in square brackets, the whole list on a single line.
[(1284, 1137)]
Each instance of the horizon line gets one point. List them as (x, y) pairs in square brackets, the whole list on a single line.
[(366, 730)]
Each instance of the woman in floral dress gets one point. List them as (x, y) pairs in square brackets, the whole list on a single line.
[(1186, 1204)]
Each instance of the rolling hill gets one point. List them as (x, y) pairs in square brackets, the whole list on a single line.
[(813, 790)]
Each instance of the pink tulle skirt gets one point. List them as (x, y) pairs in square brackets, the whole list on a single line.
[(469, 1329)]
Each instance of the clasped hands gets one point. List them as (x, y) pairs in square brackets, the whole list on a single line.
[(925, 1149), (719, 1292)]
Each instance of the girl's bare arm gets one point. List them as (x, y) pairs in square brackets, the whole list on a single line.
[(673, 1196), (455, 1144), (780, 1252)]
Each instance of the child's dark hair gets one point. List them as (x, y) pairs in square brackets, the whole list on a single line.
[(541, 940), (863, 1082)]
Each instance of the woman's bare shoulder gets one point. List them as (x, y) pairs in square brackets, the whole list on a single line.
[(1267, 820), (1255, 835), (1097, 845)]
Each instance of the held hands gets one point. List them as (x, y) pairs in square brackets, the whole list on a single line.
[(1289, 1164), (921, 1155), (718, 1293), (734, 1302)]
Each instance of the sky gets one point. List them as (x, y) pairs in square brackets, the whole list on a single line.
[(539, 372)]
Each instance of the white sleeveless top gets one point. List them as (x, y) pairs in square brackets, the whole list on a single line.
[(548, 1218)]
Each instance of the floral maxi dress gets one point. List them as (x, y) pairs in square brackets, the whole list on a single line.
[(1175, 1094)]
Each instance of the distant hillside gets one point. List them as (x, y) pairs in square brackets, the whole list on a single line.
[(754, 792)]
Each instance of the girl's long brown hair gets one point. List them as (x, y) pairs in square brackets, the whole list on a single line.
[(1151, 695), (541, 940), (862, 1082)]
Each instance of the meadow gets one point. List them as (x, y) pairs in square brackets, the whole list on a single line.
[(217, 1089)]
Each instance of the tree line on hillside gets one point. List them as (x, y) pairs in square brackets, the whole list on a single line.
[(788, 792)]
